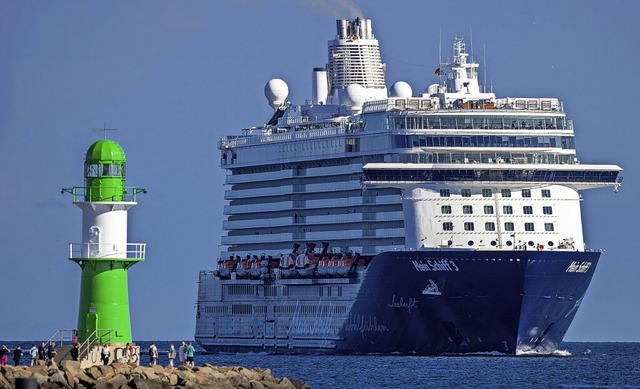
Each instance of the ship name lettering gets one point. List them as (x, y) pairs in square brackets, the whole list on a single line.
[(578, 267), (362, 324), (401, 303), (435, 265)]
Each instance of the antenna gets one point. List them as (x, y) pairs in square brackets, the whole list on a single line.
[(484, 64), (104, 129), (471, 41), (440, 57)]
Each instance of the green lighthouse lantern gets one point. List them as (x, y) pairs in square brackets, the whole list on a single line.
[(104, 172)]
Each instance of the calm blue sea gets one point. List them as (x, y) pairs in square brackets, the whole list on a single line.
[(578, 365)]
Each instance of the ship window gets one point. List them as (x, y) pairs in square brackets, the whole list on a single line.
[(488, 209), (446, 209), (445, 193), (487, 193), (465, 192), (528, 227), (547, 210), (508, 226), (493, 243), (530, 243), (470, 243), (468, 209), (527, 209), (447, 226), (506, 192), (550, 243), (526, 193), (546, 193), (548, 227), (489, 226), (507, 209), (468, 226), (509, 243)]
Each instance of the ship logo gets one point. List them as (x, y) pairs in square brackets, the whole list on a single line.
[(432, 289)]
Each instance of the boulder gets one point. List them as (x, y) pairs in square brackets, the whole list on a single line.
[(58, 378), (117, 381), (94, 372)]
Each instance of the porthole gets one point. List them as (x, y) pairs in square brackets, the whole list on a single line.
[(549, 243), (530, 243), (493, 243), (509, 243), (470, 243)]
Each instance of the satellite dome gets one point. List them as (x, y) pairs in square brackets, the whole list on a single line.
[(401, 89), (276, 92), (356, 96)]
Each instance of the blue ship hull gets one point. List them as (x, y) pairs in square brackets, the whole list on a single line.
[(422, 302), (432, 302)]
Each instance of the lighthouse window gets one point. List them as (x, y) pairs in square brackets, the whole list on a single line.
[(489, 226), (92, 170), (447, 226), (507, 209), (527, 209), (465, 192), (546, 193), (468, 226), (508, 226), (488, 209), (547, 210), (548, 227), (528, 227), (526, 193), (468, 209), (446, 209), (506, 192)]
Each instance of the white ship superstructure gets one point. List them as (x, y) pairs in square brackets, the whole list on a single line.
[(506, 170)]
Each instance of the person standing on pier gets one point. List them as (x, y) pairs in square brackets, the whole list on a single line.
[(181, 353), (4, 352), (153, 354), (171, 354), (17, 353), (33, 354), (105, 353), (190, 351), (51, 352), (41, 352)]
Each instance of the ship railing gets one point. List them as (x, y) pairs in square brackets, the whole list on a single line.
[(133, 251), (330, 131)]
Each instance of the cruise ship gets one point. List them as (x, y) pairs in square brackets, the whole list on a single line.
[(373, 219)]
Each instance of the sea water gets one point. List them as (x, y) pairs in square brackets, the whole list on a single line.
[(576, 365)]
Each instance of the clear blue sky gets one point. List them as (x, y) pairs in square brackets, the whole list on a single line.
[(174, 76)]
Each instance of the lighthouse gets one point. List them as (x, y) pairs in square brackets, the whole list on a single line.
[(104, 254)]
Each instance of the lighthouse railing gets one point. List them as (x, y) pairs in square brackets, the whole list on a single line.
[(81, 193), (133, 251)]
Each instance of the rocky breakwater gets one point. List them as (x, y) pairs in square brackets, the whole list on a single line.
[(125, 376)]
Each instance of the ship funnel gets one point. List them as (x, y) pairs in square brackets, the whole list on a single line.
[(319, 86), (354, 58)]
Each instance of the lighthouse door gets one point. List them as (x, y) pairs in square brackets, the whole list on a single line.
[(92, 324)]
